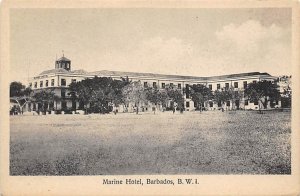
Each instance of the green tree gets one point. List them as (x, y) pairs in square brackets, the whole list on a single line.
[(134, 93), (82, 91), (19, 94), (175, 96), (200, 94), (99, 92), (221, 96), (156, 96), (262, 92), (153, 96), (286, 94), (234, 95), (116, 95), (43, 97), (16, 89)]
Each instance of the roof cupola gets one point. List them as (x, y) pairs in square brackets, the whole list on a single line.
[(63, 62)]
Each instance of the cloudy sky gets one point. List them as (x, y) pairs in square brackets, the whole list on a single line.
[(199, 42)]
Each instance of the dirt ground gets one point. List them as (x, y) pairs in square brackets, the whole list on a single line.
[(213, 142)]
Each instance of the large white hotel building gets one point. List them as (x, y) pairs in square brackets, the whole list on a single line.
[(59, 79)]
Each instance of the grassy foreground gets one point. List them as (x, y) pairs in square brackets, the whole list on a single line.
[(214, 142)]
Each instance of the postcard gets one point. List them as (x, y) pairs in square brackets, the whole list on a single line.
[(149, 98)]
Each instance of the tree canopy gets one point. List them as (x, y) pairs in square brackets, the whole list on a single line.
[(135, 93), (200, 94), (43, 97), (262, 91), (99, 92), (17, 89), (175, 96), (156, 96), (221, 96)]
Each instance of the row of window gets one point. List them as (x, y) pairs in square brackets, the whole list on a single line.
[(41, 84), (235, 85), (246, 102), (154, 84), (163, 85)]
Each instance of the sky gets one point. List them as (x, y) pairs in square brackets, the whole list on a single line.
[(196, 42)]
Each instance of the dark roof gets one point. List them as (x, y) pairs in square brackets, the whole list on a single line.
[(152, 75), (63, 59), (59, 70), (130, 74), (238, 75)]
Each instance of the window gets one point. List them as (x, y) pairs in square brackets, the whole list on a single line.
[(211, 104), (236, 84), (52, 82), (46, 84), (227, 103), (179, 86), (35, 85), (63, 82), (276, 102), (30, 84), (73, 80), (187, 104), (246, 102), (41, 83), (163, 85), (154, 84), (245, 84), (210, 86), (171, 84), (145, 84), (227, 85), (187, 91), (218, 86)]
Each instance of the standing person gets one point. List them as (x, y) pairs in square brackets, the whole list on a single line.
[(181, 109), (136, 109), (15, 111), (174, 107), (154, 109)]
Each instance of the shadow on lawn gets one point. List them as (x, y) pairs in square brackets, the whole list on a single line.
[(102, 163)]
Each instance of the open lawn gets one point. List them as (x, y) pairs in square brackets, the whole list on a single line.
[(214, 142)]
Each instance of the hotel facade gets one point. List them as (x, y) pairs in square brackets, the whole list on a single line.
[(59, 79)]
